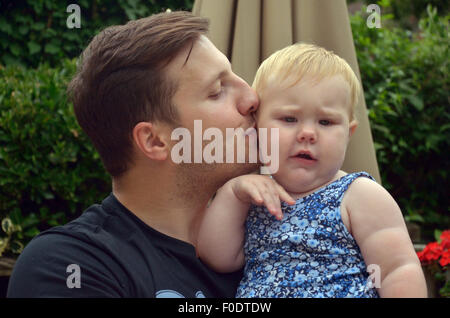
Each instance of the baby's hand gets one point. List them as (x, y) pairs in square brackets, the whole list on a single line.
[(261, 190)]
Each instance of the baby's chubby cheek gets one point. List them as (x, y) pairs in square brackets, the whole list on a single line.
[(268, 149)]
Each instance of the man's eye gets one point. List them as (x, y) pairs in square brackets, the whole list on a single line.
[(324, 122), (215, 95), (290, 119)]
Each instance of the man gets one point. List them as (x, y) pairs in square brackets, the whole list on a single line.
[(136, 83)]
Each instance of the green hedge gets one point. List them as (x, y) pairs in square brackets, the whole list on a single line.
[(33, 32), (406, 85), (49, 171), (406, 13)]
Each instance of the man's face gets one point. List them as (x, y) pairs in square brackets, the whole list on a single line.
[(209, 91)]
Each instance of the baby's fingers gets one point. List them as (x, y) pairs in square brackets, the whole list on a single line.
[(284, 195), (272, 202), (255, 196), (277, 208)]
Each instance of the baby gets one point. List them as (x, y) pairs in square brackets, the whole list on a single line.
[(332, 226)]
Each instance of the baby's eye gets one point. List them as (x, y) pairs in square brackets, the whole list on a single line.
[(324, 122), (289, 119)]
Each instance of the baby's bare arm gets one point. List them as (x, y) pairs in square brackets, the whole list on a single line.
[(380, 231), (221, 236)]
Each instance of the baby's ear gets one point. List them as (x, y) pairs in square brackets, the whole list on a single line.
[(352, 127)]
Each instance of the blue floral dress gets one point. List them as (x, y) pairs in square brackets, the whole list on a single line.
[(310, 253)]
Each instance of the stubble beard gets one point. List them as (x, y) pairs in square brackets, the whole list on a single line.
[(198, 179), (206, 178)]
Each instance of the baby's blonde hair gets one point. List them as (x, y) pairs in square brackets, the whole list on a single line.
[(290, 65)]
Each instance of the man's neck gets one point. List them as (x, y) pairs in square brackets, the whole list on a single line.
[(164, 202)]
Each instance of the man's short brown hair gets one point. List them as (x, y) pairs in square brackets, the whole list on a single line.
[(121, 81)]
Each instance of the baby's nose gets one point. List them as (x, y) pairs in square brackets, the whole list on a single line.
[(307, 134)]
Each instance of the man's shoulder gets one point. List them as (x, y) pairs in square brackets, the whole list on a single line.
[(99, 232), (99, 223), (44, 267), (85, 244)]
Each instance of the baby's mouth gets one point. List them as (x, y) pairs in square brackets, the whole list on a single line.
[(305, 155)]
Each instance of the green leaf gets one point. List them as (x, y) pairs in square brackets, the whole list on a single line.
[(23, 29), (48, 195), (414, 218), (30, 220), (417, 102), (5, 26), (444, 127), (51, 48), (38, 26), (378, 146), (32, 232), (16, 216), (7, 226), (15, 49), (16, 246), (437, 235), (33, 47)]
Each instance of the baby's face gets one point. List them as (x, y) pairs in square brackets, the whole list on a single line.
[(314, 125)]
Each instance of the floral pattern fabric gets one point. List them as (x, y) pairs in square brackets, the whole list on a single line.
[(309, 253)]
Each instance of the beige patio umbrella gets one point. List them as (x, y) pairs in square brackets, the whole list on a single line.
[(248, 31)]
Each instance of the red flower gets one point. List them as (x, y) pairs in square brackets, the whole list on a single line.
[(434, 251), (431, 252), (445, 259), (437, 251), (420, 256), (445, 235), (445, 240)]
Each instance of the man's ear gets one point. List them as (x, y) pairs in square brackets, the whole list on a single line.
[(151, 139), (352, 127)]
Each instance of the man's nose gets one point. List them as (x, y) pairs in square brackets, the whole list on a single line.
[(307, 133), (249, 100)]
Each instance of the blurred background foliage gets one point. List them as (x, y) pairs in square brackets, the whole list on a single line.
[(405, 77), (35, 31), (50, 172)]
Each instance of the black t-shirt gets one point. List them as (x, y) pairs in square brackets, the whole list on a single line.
[(109, 252)]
